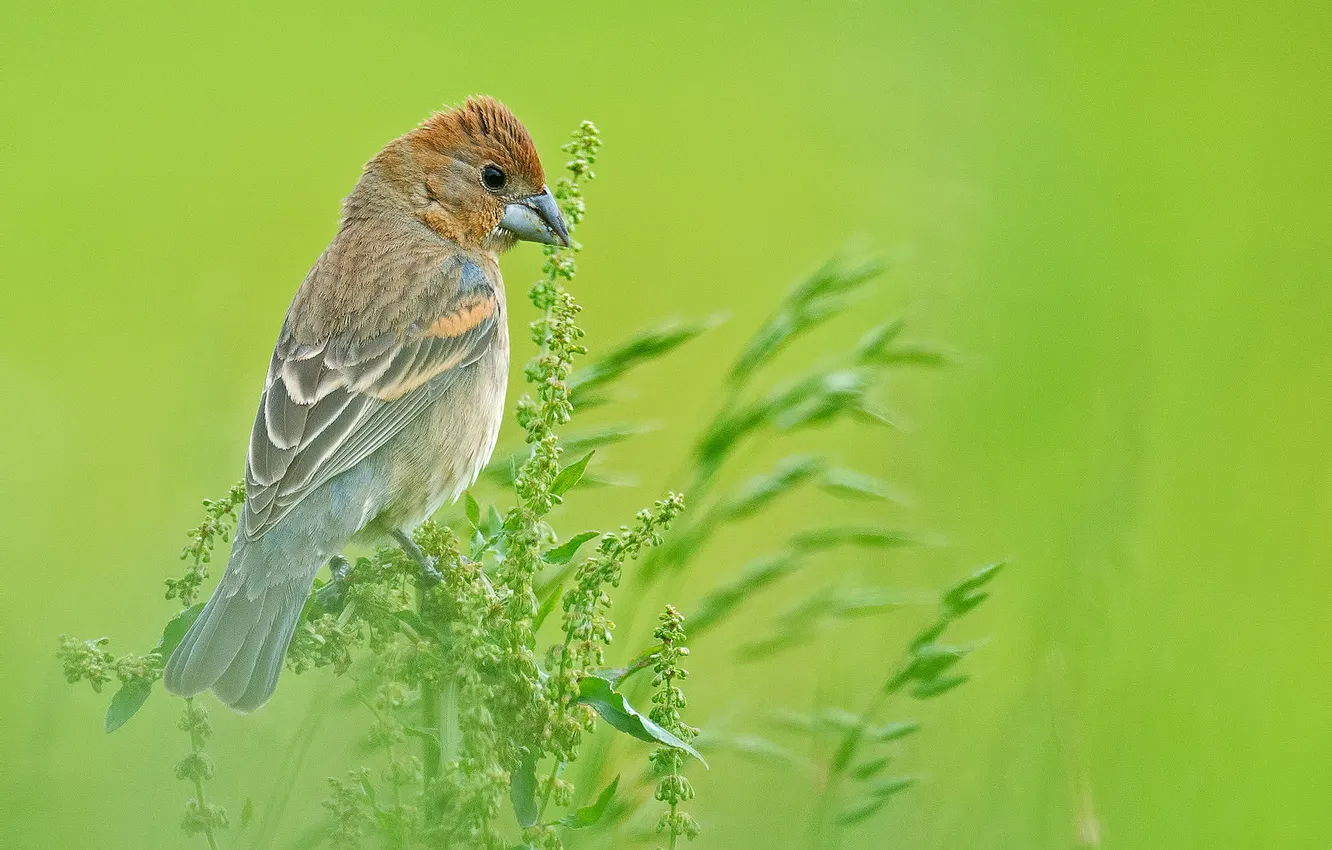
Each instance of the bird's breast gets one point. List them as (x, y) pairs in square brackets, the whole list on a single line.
[(441, 454)]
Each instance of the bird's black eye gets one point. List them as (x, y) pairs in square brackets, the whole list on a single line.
[(492, 177)]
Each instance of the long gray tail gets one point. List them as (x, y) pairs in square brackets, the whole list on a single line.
[(237, 645)]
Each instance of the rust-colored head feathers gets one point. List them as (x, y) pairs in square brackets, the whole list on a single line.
[(484, 129), (459, 170)]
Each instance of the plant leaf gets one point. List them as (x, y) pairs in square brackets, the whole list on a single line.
[(413, 620), (809, 303), (721, 602), (913, 355), (870, 768), (589, 815), (423, 734), (174, 631), (827, 538), (570, 475), (888, 787), (472, 509), (616, 710), (758, 492), (935, 687), (752, 747), (617, 675), (522, 792), (881, 793), (644, 346), (861, 812), (892, 731), (849, 484), (963, 597), (547, 605), (877, 338), (564, 553), (126, 703), (132, 695)]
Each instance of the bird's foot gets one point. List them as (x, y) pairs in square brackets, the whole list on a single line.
[(429, 574), (331, 596)]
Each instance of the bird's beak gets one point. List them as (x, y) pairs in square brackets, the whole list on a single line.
[(537, 219)]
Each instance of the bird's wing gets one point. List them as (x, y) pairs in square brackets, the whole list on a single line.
[(327, 406)]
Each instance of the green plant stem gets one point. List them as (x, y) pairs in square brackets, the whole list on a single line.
[(430, 752), (675, 771), (196, 745), (843, 756), (563, 709)]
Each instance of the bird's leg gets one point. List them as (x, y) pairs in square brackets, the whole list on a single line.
[(330, 596), (429, 575)]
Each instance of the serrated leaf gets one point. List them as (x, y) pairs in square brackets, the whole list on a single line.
[(616, 710), (523, 791), (547, 605), (564, 553), (570, 475), (126, 703), (589, 815), (472, 509)]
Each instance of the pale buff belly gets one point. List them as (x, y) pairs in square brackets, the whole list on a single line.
[(438, 456)]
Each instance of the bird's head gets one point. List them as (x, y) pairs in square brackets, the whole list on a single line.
[(472, 175)]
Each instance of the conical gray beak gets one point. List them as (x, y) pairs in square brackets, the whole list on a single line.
[(536, 219)]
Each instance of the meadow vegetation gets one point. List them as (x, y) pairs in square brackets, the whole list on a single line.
[(478, 653)]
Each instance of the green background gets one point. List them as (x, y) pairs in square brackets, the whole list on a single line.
[(1121, 217)]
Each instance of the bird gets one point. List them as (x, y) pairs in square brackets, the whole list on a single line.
[(386, 388)]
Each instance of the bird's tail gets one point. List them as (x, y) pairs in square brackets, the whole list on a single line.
[(238, 643)]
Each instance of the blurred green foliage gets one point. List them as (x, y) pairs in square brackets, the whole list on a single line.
[(1116, 216)]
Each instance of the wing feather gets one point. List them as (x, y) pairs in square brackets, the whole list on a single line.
[(330, 404)]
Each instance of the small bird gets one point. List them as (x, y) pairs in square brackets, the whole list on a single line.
[(386, 389)]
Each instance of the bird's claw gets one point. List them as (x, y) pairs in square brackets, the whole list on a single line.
[(429, 574)]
